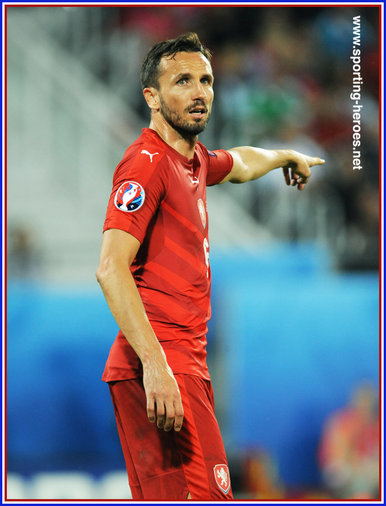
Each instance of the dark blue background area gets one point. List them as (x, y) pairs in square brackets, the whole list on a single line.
[(295, 337)]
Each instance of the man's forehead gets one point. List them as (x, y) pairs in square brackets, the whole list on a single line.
[(185, 62)]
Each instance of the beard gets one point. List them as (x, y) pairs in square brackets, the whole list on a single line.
[(187, 129)]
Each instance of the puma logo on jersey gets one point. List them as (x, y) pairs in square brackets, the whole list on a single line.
[(150, 154)]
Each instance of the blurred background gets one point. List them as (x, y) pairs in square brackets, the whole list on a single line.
[(293, 343)]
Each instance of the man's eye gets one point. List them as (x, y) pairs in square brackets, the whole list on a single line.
[(182, 81)]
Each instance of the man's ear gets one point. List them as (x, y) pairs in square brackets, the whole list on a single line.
[(152, 98)]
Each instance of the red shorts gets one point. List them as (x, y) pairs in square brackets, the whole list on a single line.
[(170, 465)]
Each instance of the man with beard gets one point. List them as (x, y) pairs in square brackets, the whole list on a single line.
[(154, 272)]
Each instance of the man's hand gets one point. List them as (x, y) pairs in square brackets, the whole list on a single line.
[(163, 399), (299, 165)]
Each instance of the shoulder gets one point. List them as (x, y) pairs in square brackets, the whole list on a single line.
[(218, 163), (145, 156)]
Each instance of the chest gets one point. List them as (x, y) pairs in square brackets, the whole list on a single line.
[(186, 196)]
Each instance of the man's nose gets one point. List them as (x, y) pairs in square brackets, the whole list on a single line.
[(199, 91)]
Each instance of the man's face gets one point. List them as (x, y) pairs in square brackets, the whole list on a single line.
[(186, 92)]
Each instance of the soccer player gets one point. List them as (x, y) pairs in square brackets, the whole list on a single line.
[(155, 274)]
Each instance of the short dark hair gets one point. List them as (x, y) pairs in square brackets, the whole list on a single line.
[(189, 42)]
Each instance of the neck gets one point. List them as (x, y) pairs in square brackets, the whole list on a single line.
[(184, 145)]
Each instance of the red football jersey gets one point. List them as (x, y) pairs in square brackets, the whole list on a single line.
[(159, 196)]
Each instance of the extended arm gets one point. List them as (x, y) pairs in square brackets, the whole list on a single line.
[(162, 394), (251, 163)]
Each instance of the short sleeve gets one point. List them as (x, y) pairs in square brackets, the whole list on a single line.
[(220, 163), (138, 188)]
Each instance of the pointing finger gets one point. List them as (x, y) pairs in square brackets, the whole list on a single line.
[(315, 160)]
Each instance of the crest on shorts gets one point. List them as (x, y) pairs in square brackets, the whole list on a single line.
[(129, 197), (221, 475), (201, 210)]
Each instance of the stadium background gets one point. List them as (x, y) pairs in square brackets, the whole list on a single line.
[(295, 274)]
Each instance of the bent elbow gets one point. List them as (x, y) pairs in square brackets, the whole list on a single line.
[(103, 270), (241, 177), (110, 268), (99, 275)]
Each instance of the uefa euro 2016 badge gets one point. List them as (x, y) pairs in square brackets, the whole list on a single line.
[(129, 197), (221, 475)]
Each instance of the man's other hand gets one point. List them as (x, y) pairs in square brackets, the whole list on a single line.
[(297, 171), (163, 398)]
